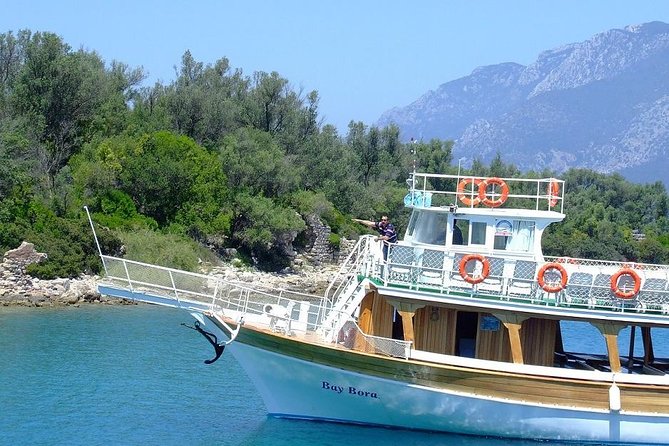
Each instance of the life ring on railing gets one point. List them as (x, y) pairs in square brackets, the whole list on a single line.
[(468, 199), (553, 193), (483, 192), (484, 272), (542, 280), (567, 260), (622, 293)]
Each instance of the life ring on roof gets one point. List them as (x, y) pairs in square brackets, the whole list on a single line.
[(471, 198), (541, 278), (484, 272), (553, 193), (622, 293), (483, 192)]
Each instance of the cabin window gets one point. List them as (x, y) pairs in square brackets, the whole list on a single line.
[(468, 233), (460, 232), (514, 235), (412, 223), (478, 233), (430, 227)]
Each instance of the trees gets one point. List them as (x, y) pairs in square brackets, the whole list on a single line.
[(233, 160)]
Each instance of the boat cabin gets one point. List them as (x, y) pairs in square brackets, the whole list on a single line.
[(469, 277)]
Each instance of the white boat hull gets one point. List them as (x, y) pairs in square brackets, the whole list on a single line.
[(295, 388)]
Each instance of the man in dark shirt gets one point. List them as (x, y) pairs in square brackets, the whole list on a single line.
[(385, 229)]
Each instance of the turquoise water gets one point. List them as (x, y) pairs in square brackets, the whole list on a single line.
[(130, 375)]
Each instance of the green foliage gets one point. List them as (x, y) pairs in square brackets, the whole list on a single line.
[(170, 250), (262, 224), (68, 243), (117, 211), (334, 240), (254, 162), (311, 203), (231, 160)]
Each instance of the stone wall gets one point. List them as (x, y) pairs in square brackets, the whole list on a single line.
[(321, 251)]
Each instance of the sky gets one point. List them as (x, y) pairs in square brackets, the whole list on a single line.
[(363, 57)]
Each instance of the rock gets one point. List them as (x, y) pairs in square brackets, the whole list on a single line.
[(24, 255), (80, 290)]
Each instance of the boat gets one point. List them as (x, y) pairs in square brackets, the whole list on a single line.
[(460, 329)]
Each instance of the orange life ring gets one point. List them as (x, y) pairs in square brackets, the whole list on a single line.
[(552, 288), (553, 193), (484, 273), (483, 192), (466, 198), (567, 260), (625, 294)]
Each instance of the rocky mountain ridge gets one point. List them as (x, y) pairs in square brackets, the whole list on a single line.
[(601, 104)]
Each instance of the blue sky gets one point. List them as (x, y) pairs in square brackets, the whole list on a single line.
[(363, 57)]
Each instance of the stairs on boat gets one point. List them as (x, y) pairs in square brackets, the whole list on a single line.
[(344, 303)]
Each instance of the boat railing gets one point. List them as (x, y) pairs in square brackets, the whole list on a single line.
[(183, 287), (280, 310), (557, 281), (362, 256), (440, 190)]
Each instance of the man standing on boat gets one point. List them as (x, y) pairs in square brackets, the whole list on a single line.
[(386, 231)]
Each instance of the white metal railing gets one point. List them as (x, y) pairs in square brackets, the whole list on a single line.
[(428, 190), (558, 281), (290, 312)]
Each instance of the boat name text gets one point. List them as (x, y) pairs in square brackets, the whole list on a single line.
[(350, 390)]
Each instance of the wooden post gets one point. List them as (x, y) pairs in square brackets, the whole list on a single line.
[(407, 310), (407, 325), (513, 324), (610, 332)]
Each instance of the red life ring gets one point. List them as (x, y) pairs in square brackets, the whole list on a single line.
[(483, 192), (484, 273), (552, 288), (567, 260), (553, 193), (621, 293), (466, 198)]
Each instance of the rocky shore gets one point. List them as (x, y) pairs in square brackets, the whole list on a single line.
[(17, 288)]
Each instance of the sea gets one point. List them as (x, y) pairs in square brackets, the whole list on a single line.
[(134, 375)]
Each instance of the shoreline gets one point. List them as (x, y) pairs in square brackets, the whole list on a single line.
[(18, 289)]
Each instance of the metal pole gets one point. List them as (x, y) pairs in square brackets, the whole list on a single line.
[(459, 163), (630, 361), (95, 236)]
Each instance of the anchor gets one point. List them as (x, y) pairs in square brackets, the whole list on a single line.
[(213, 340)]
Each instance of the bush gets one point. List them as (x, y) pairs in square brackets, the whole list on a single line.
[(69, 246), (170, 250)]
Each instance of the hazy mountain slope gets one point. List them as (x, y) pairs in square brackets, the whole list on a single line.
[(601, 104)]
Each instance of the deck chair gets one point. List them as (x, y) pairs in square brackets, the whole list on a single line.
[(523, 281), (455, 279), (653, 293), (578, 288), (401, 260), (432, 266), (600, 294), (495, 280)]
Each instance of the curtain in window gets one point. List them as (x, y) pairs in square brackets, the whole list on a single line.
[(522, 237)]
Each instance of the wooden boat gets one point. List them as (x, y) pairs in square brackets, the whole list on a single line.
[(452, 332)]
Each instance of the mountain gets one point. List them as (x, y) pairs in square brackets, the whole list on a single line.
[(601, 104)]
